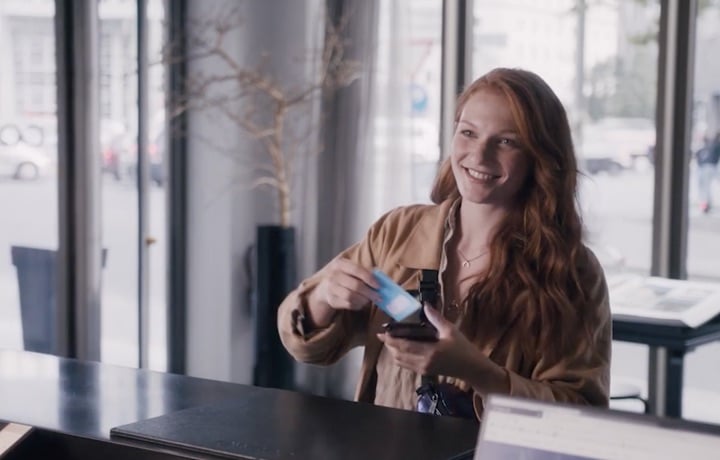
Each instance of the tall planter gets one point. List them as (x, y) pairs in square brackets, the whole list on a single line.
[(38, 311), (37, 283), (275, 278)]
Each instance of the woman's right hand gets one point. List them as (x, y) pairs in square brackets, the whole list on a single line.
[(345, 285)]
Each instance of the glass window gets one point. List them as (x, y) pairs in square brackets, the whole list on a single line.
[(120, 208), (704, 193), (406, 104), (611, 103), (28, 179), (157, 202), (28, 175), (601, 60), (703, 260)]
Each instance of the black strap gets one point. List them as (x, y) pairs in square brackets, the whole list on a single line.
[(429, 286), (429, 292)]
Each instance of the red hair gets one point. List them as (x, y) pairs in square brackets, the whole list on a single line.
[(535, 252)]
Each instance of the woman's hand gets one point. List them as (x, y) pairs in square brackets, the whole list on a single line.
[(345, 285), (453, 355)]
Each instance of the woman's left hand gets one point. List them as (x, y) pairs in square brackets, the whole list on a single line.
[(453, 355)]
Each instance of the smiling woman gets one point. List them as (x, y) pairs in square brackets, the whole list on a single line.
[(523, 304), (488, 161)]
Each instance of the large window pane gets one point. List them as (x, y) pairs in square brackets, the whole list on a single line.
[(120, 208), (118, 134), (704, 196), (157, 203), (28, 174), (406, 110), (600, 57), (611, 102), (703, 262)]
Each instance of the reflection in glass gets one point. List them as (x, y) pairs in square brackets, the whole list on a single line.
[(28, 177)]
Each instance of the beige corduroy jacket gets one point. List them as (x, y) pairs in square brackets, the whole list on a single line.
[(401, 243)]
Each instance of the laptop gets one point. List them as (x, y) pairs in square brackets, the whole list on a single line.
[(515, 428)]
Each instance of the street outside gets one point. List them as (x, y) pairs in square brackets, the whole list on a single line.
[(29, 210), (617, 210)]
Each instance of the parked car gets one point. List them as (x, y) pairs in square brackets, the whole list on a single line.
[(23, 162), (615, 144)]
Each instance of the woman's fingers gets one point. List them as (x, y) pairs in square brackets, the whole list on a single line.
[(409, 354), (358, 272), (358, 287), (443, 326), (343, 298), (350, 286), (405, 346)]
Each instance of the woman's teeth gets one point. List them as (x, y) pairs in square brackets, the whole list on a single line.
[(480, 175)]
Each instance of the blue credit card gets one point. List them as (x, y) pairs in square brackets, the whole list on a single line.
[(395, 301)]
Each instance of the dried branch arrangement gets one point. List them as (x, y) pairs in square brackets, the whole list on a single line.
[(272, 112)]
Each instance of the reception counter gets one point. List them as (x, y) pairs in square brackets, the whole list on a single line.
[(114, 408)]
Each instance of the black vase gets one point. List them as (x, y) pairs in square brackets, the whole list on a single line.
[(275, 278)]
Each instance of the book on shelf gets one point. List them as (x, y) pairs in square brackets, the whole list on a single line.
[(660, 300)]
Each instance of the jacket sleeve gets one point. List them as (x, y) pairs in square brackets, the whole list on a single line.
[(348, 328), (581, 375)]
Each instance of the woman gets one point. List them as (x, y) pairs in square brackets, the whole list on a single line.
[(523, 306)]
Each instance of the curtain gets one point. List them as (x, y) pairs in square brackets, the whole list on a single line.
[(379, 151)]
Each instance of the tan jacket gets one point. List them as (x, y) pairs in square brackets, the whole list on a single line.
[(403, 242)]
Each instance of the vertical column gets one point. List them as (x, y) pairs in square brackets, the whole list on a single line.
[(143, 182), (177, 186), (457, 31), (79, 252), (672, 148), (672, 155)]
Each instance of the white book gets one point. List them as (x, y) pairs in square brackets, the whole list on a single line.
[(664, 301)]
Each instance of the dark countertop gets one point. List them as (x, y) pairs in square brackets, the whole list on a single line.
[(89, 399)]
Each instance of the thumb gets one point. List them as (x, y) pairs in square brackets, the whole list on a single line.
[(442, 325)]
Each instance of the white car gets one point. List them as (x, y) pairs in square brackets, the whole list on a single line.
[(23, 162), (614, 144)]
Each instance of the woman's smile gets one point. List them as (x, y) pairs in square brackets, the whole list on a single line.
[(481, 176)]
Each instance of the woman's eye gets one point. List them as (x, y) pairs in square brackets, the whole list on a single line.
[(506, 141), (466, 133)]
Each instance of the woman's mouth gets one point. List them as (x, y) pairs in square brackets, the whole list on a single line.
[(481, 176)]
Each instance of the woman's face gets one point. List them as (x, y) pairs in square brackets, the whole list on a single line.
[(488, 163)]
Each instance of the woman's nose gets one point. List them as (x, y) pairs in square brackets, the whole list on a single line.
[(481, 150)]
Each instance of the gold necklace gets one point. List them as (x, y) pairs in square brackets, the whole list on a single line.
[(467, 262)]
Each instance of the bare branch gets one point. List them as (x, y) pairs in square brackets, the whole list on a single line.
[(249, 97)]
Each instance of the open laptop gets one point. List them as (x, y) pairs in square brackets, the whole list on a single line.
[(514, 428)]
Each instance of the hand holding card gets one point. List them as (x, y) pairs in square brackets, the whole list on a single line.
[(395, 301)]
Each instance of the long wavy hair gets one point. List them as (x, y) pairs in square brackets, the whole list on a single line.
[(532, 274)]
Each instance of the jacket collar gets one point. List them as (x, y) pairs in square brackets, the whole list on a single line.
[(429, 229)]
